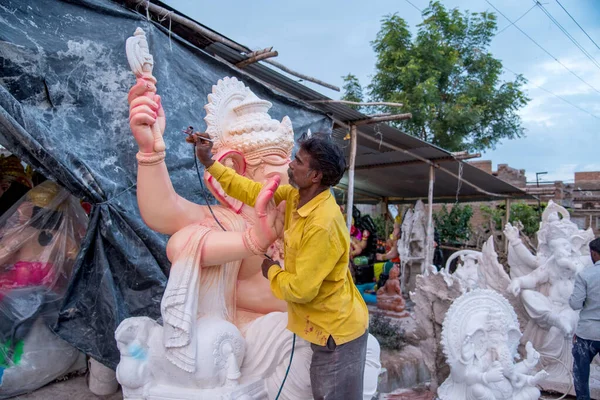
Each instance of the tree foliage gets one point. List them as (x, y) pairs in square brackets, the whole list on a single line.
[(528, 215), (447, 78), (453, 226), (352, 91)]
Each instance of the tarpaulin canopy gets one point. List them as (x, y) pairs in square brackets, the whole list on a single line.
[(63, 110)]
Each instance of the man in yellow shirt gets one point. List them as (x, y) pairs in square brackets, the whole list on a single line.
[(324, 306)]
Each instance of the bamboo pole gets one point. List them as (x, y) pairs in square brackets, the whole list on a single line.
[(350, 204), (357, 103), (386, 118), (257, 57), (158, 10), (302, 76), (429, 241)]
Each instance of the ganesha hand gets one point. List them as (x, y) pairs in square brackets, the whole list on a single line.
[(532, 357), (539, 377), (146, 116), (514, 287), (511, 232), (494, 374), (270, 218)]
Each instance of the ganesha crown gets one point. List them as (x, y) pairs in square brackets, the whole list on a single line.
[(237, 119)]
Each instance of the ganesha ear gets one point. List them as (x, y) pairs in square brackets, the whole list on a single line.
[(236, 161)]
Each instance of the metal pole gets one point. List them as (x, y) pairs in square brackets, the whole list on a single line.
[(350, 204), (429, 241)]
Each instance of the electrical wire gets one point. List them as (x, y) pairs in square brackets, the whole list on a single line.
[(418, 9), (583, 30), (516, 20), (288, 368), (204, 190), (567, 34), (555, 95), (508, 69), (546, 51)]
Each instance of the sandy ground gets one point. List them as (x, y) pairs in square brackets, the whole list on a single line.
[(71, 389), (76, 389)]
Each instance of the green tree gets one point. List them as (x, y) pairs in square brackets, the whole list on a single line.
[(447, 78), (453, 226), (352, 90), (528, 215)]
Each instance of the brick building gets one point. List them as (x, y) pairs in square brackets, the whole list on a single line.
[(581, 198)]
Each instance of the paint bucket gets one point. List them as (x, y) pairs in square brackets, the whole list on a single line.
[(102, 380)]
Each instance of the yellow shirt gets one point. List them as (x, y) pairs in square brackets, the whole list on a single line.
[(316, 283)]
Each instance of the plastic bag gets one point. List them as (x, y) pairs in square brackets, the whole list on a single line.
[(39, 241)]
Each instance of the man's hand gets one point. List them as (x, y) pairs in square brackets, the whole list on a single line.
[(203, 148), (266, 265)]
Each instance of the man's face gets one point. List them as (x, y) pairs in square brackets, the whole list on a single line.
[(595, 256), (300, 174)]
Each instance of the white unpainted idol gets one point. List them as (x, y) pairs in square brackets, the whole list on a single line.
[(543, 283), (412, 246), (480, 338)]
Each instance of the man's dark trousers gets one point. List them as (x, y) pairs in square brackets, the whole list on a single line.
[(337, 372), (584, 352)]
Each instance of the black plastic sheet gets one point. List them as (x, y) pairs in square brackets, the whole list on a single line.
[(63, 110)]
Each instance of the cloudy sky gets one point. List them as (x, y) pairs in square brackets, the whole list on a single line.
[(330, 38)]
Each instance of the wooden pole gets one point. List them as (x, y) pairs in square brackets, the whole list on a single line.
[(256, 58), (429, 241), (350, 204), (357, 103), (374, 120), (385, 217), (158, 10), (302, 76)]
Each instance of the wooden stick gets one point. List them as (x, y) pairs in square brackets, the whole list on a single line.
[(257, 52), (255, 58), (302, 76), (374, 120), (158, 10), (379, 115), (356, 103)]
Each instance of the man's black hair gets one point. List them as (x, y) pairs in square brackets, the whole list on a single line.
[(595, 245), (325, 157)]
